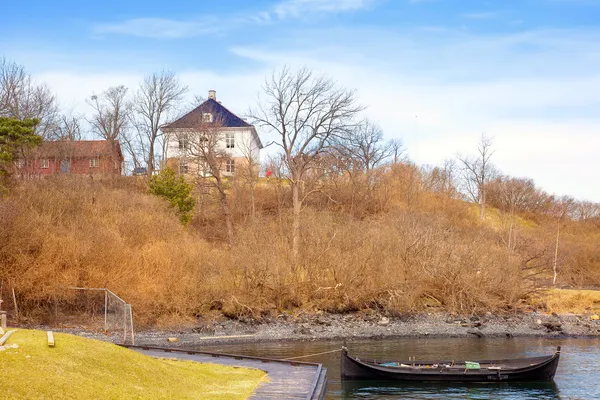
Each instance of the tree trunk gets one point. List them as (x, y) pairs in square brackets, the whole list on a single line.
[(253, 201), (482, 205), (556, 254), (297, 207), (150, 159), (226, 210)]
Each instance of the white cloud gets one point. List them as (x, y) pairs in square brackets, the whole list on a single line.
[(164, 28), (535, 92), (298, 8), (159, 27)]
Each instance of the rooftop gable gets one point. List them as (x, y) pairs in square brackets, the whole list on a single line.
[(76, 149), (222, 115)]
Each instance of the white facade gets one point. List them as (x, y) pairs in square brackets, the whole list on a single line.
[(238, 142)]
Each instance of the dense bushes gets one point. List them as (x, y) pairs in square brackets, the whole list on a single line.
[(411, 253)]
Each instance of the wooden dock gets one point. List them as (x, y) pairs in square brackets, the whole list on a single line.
[(287, 379)]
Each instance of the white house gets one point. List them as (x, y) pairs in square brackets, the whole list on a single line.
[(235, 138)]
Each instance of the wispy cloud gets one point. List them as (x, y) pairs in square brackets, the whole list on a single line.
[(160, 27), (181, 28), (297, 8)]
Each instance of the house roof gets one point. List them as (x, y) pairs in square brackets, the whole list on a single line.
[(76, 148), (222, 115)]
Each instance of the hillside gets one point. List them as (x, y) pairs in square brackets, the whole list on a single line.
[(398, 247)]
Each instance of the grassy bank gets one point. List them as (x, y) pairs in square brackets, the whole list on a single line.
[(78, 368), (562, 301)]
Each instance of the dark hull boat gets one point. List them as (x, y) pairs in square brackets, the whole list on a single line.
[(516, 370)]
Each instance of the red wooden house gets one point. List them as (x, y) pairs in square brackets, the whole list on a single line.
[(82, 157)]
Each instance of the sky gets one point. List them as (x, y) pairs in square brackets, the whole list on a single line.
[(435, 73)]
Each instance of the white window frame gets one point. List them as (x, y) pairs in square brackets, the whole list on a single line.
[(20, 163), (230, 166), (94, 162), (184, 143), (44, 163), (230, 140), (207, 117)]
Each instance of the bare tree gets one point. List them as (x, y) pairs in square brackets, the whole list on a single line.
[(68, 128), (305, 112), (248, 172), (22, 98), (477, 172), (397, 149), (204, 149), (561, 210), (111, 113), (441, 179), (157, 95), (364, 147)]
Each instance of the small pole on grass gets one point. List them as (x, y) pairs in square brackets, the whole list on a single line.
[(15, 301), (131, 326), (125, 324), (105, 311)]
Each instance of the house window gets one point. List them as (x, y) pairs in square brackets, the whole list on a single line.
[(184, 143), (44, 163), (229, 140), (207, 117), (230, 166), (20, 163), (94, 162), (183, 167)]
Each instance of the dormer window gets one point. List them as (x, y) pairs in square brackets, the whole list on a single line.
[(207, 117)]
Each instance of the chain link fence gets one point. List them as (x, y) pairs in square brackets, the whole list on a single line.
[(97, 309)]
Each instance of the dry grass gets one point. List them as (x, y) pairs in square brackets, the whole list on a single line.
[(394, 247), (568, 301)]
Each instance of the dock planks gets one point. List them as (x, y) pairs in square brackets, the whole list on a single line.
[(287, 380)]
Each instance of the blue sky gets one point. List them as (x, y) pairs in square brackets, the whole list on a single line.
[(436, 73)]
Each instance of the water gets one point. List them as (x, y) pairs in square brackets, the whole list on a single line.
[(578, 375)]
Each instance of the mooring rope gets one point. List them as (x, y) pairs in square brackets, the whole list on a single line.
[(311, 355)]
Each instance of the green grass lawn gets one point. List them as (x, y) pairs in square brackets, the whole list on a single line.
[(79, 368)]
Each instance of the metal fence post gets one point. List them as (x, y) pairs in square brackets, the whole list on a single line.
[(105, 311)]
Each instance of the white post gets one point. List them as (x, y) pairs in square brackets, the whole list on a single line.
[(131, 325), (105, 311), (124, 323)]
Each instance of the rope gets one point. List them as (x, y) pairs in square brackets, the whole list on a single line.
[(311, 355)]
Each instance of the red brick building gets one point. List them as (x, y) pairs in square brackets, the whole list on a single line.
[(82, 157)]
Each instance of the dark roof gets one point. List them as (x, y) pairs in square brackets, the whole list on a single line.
[(76, 148), (221, 115)]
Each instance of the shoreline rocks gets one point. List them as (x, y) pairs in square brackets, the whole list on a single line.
[(322, 326)]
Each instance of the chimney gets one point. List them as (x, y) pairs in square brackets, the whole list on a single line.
[(212, 94)]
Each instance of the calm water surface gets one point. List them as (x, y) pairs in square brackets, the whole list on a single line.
[(578, 375)]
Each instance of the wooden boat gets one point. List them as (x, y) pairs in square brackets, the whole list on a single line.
[(520, 369)]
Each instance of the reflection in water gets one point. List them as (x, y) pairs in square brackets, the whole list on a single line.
[(576, 378), (369, 390)]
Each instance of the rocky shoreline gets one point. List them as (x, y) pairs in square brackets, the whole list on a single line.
[(308, 327)]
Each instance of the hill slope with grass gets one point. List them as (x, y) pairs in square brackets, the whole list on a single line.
[(79, 368), (396, 246)]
